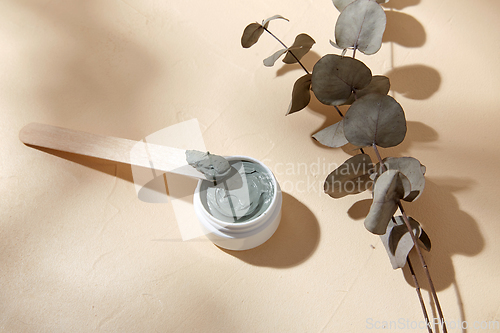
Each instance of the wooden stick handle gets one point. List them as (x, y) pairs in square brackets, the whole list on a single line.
[(138, 153)]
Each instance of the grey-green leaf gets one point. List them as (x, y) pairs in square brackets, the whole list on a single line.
[(301, 94), (375, 118), (251, 34), (378, 85), (332, 136), (338, 47), (352, 177), (269, 61), (265, 23), (335, 77), (361, 26), (341, 4), (398, 242), (413, 170), (386, 192), (299, 48)]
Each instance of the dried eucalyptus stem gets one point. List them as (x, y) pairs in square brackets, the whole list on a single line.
[(417, 248), (419, 294)]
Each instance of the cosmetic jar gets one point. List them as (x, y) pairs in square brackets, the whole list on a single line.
[(248, 231)]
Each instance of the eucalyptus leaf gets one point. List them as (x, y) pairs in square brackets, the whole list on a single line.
[(398, 241), (332, 43), (251, 34), (375, 118), (271, 60), (352, 177), (265, 23), (361, 26), (378, 85), (341, 4), (299, 48), (335, 77), (253, 31), (386, 192), (412, 169), (332, 136), (301, 94)]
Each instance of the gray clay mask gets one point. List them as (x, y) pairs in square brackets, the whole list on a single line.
[(214, 167), (244, 194)]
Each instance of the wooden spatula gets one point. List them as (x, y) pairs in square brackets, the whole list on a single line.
[(139, 153)]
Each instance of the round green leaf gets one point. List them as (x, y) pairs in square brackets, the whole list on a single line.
[(386, 192), (300, 47), (341, 4), (378, 85), (361, 26), (332, 136), (253, 31), (375, 118), (251, 34), (398, 241), (301, 94), (412, 169), (352, 177), (335, 77)]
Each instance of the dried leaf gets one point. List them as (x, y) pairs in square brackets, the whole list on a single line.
[(378, 85), (269, 61), (375, 118), (335, 77), (301, 94), (332, 136), (251, 34), (332, 43), (341, 4), (253, 31), (361, 26), (265, 23), (386, 192), (412, 169), (300, 47), (398, 242), (352, 177)]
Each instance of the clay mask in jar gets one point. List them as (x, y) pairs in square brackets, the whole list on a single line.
[(242, 208)]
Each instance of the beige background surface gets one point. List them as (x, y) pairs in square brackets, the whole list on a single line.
[(80, 253)]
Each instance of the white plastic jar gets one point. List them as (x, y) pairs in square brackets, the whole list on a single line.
[(241, 235)]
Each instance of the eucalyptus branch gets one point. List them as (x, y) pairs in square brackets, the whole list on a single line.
[(417, 248), (340, 80), (286, 47)]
